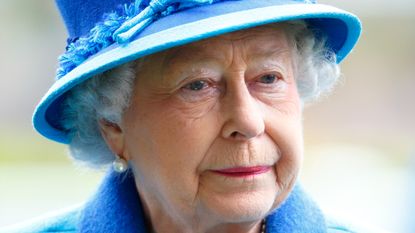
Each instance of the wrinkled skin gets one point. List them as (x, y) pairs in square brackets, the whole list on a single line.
[(226, 102)]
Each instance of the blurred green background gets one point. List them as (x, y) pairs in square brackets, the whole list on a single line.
[(360, 141)]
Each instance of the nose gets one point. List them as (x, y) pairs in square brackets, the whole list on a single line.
[(243, 117)]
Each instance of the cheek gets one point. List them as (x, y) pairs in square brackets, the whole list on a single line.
[(171, 143), (290, 144), (184, 133), (283, 123), (286, 132)]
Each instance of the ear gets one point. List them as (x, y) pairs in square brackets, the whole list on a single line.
[(113, 136)]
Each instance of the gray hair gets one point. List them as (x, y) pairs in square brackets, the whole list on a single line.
[(107, 95)]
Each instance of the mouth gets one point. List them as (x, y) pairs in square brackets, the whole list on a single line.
[(243, 171)]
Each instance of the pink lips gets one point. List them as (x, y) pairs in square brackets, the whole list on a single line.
[(243, 171)]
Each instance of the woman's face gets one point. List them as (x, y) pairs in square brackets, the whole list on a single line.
[(213, 132)]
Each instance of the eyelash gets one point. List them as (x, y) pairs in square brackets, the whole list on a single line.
[(273, 76), (206, 92), (189, 87), (276, 77), (198, 89)]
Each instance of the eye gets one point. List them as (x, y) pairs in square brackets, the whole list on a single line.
[(199, 90), (268, 79), (196, 85), (269, 83)]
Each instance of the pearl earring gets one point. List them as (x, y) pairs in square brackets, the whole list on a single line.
[(119, 164)]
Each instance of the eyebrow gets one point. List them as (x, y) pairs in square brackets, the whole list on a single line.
[(199, 57), (183, 54), (270, 51)]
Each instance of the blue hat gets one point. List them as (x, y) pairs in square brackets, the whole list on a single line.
[(107, 33)]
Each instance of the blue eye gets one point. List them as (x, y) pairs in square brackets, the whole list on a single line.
[(196, 85), (268, 79)]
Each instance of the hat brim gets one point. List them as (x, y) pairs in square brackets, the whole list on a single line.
[(341, 28)]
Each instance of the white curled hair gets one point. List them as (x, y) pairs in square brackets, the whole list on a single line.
[(316, 70), (107, 95)]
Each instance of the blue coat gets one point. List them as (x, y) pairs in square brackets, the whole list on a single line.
[(116, 208)]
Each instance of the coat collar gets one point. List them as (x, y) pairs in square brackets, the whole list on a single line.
[(116, 207)]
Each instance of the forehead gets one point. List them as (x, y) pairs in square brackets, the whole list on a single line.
[(259, 41)]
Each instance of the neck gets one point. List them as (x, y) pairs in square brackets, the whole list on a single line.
[(159, 221), (163, 218), (256, 227)]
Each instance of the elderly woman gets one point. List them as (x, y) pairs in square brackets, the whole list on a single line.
[(197, 104)]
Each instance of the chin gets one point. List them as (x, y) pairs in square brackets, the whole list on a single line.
[(248, 206)]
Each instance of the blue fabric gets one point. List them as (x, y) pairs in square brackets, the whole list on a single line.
[(123, 25), (298, 214), (119, 26), (80, 16), (97, 52), (116, 208)]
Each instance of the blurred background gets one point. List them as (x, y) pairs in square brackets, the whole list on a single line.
[(360, 141)]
